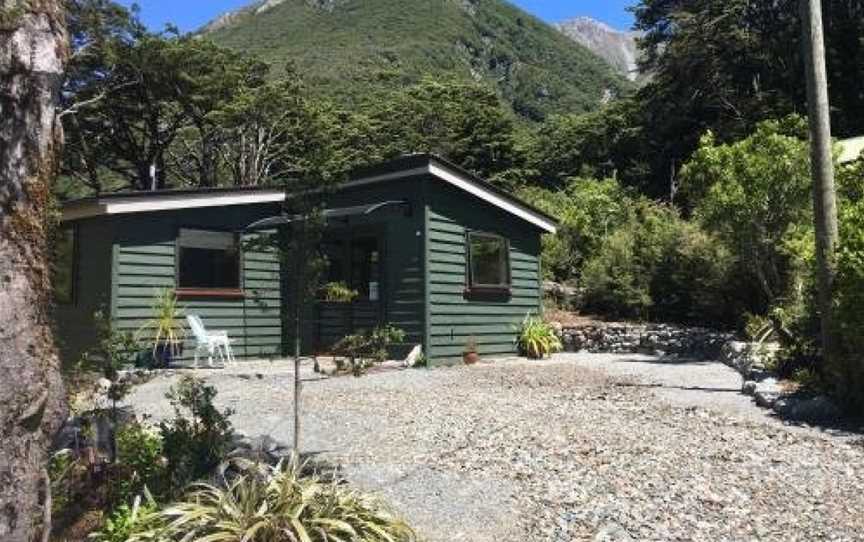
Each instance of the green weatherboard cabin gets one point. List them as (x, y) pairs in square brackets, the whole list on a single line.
[(428, 247)]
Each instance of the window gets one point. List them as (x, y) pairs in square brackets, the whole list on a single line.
[(64, 266), (488, 261), (208, 260), (365, 267)]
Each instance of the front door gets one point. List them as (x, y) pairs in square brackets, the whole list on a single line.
[(355, 259)]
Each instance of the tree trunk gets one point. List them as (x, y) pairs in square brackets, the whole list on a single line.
[(822, 167), (33, 50)]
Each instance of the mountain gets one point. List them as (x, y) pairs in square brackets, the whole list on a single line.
[(356, 49), (616, 47)]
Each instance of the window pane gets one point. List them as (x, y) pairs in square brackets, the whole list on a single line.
[(208, 260), (334, 252), (63, 268), (488, 256), (365, 267)]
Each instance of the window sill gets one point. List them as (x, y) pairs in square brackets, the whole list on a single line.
[(476, 291), (221, 293)]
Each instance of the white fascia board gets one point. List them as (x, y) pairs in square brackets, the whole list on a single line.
[(133, 204), (464, 183)]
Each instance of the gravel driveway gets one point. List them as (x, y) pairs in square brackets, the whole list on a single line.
[(582, 447)]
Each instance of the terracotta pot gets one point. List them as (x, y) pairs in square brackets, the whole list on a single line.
[(470, 358)]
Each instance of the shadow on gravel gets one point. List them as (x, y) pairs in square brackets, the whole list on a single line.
[(807, 410), (666, 361), (684, 388)]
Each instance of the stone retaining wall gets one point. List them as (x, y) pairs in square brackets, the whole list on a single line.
[(655, 339)]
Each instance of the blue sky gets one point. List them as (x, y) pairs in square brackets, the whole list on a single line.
[(191, 14)]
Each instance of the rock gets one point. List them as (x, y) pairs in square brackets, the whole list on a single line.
[(749, 387), (811, 409), (767, 392), (657, 339), (264, 443), (612, 532), (413, 356)]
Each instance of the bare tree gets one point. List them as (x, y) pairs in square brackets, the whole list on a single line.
[(33, 51), (822, 166)]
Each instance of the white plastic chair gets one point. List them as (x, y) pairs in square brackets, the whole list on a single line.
[(215, 342)]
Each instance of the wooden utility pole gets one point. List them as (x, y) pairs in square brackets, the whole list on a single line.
[(33, 53), (822, 168)]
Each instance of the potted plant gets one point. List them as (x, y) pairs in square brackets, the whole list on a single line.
[(536, 339), (165, 332), (469, 354), (338, 292)]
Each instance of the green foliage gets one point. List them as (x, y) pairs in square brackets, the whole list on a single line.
[(658, 266), (140, 463), (357, 53), (61, 467), (597, 144), (128, 522), (847, 375), (464, 122), (114, 349), (272, 504), (197, 438), (365, 349), (755, 195), (588, 211), (536, 338), (726, 66), (809, 380), (338, 292), (165, 330)]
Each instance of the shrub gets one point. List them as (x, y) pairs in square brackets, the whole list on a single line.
[(658, 266), (126, 522), (588, 211), (847, 374), (364, 349), (140, 463), (754, 194), (197, 438), (536, 339), (276, 504)]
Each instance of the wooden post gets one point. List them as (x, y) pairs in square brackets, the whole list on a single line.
[(300, 271), (822, 168)]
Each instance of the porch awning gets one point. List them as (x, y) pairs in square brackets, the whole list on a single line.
[(327, 214)]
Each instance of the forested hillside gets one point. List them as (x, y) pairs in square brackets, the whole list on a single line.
[(354, 50)]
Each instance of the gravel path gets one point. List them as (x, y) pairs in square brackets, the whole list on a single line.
[(583, 447)]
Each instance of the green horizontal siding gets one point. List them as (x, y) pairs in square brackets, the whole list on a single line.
[(455, 318), (402, 279), (143, 266), (76, 327)]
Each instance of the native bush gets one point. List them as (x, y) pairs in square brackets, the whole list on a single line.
[(588, 210), (365, 349), (140, 463), (658, 266), (127, 522), (196, 440), (847, 374), (754, 195)]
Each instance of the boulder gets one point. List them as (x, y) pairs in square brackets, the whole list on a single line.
[(815, 409)]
